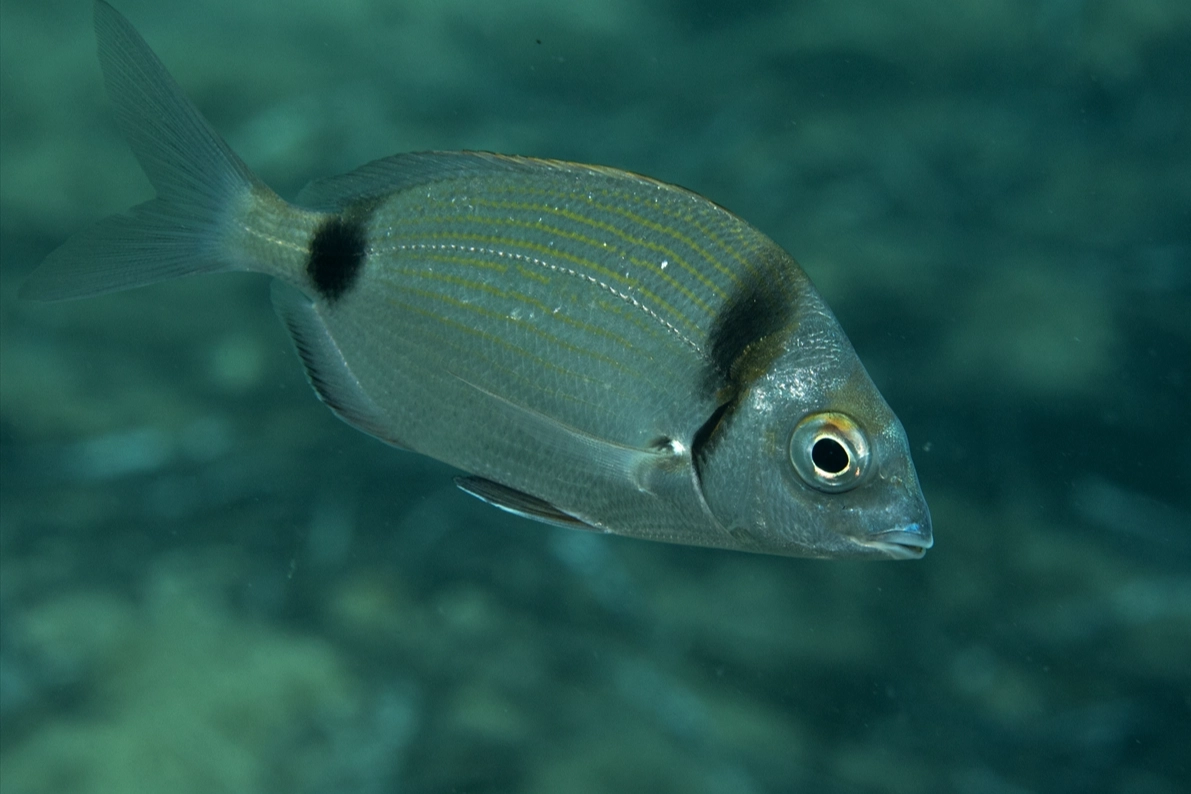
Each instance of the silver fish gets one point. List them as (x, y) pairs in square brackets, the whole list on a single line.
[(596, 349)]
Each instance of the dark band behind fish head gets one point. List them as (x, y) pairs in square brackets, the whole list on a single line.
[(814, 395)]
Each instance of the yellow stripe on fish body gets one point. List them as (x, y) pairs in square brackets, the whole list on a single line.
[(596, 349), (612, 306)]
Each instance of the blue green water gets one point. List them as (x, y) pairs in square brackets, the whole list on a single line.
[(208, 584)]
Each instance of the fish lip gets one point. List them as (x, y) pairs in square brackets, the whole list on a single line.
[(904, 543)]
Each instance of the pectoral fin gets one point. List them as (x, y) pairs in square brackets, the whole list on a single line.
[(576, 449), (519, 503)]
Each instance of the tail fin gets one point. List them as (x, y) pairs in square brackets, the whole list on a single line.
[(201, 184)]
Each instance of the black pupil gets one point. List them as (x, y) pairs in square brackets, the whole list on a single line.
[(829, 455)]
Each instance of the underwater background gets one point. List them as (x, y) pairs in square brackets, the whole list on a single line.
[(209, 584)]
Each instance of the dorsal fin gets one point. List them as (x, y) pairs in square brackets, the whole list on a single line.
[(403, 171)]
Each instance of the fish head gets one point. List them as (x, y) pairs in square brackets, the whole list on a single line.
[(811, 461)]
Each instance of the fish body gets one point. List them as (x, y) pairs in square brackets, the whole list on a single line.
[(596, 349)]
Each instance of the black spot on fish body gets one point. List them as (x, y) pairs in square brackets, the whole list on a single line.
[(337, 252)]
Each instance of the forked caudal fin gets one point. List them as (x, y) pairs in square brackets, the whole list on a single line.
[(201, 184)]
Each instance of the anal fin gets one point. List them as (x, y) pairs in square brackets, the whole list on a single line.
[(326, 367), (519, 503)]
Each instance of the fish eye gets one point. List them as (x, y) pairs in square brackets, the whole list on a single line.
[(829, 451)]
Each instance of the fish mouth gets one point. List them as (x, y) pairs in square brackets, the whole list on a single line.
[(905, 543)]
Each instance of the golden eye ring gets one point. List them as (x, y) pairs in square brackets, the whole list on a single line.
[(830, 452)]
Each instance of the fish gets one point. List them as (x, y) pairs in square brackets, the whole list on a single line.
[(591, 348)]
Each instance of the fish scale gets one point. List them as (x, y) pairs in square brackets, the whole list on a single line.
[(592, 348)]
